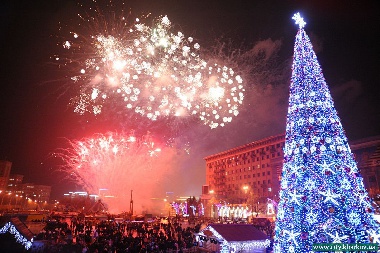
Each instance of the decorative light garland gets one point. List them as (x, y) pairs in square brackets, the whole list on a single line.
[(233, 246), (19, 237), (248, 245)]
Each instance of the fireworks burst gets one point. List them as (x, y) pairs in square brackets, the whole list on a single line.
[(149, 70), (116, 162)]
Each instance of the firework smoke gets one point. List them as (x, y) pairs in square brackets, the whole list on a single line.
[(118, 163)]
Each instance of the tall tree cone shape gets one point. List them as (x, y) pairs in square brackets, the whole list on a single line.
[(322, 195)]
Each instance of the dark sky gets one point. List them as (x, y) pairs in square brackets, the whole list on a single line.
[(34, 113)]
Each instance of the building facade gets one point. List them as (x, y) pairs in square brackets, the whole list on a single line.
[(16, 194), (249, 172), (15, 183), (5, 170), (38, 193), (367, 156), (252, 173)]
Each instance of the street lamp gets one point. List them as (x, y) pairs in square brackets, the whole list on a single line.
[(211, 202), (2, 198), (245, 188), (10, 199), (167, 205), (16, 200)]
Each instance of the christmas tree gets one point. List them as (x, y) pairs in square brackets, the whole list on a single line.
[(322, 196)]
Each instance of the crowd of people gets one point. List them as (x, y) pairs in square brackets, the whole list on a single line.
[(110, 236)]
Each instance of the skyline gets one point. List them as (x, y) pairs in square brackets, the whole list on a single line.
[(34, 114)]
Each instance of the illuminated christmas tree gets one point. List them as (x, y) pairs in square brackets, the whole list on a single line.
[(322, 196)]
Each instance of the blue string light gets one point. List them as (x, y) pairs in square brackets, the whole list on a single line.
[(322, 195), (8, 227)]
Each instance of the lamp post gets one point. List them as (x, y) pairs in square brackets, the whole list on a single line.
[(10, 200), (2, 198), (249, 198), (245, 188), (166, 206), (18, 198), (211, 202), (252, 204), (15, 201)]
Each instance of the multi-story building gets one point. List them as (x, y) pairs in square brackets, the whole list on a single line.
[(14, 193), (15, 183), (253, 171), (37, 193), (249, 171), (367, 156)]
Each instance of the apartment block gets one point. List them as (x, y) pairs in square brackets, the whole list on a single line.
[(253, 171)]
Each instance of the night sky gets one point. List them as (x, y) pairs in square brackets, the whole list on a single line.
[(36, 119)]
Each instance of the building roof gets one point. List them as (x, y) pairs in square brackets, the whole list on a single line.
[(20, 231), (19, 225), (22, 228), (248, 146), (235, 232)]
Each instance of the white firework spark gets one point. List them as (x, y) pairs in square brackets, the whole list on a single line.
[(149, 70)]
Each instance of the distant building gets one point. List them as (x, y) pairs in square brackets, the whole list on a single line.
[(5, 170), (14, 193), (252, 172), (15, 183), (367, 156), (37, 193)]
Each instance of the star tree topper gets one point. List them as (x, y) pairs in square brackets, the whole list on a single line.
[(299, 20)]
